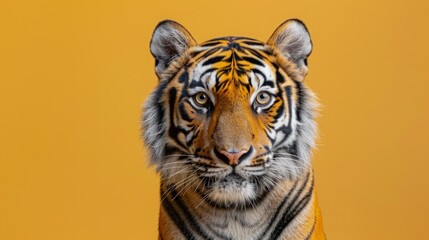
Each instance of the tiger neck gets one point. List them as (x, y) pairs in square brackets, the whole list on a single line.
[(289, 211)]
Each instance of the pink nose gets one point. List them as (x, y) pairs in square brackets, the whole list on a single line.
[(233, 157)]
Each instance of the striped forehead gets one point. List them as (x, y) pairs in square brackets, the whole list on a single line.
[(232, 61)]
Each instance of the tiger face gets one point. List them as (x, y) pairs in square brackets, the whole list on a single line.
[(230, 116)]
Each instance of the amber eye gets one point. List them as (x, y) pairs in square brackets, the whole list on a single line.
[(263, 99), (201, 99)]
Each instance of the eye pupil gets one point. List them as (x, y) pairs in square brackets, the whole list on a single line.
[(263, 98), (201, 98)]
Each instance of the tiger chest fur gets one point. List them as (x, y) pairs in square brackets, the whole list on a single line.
[(230, 128)]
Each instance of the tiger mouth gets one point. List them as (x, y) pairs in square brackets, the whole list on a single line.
[(230, 181), (232, 190), (233, 179)]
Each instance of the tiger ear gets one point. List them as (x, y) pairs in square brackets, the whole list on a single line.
[(169, 41), (293, 40)]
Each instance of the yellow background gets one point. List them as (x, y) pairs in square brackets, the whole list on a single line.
[(74, 74)]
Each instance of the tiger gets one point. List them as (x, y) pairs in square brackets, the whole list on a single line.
[(230, 128)]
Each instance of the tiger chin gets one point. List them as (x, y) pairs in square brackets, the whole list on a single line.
[(230, 128)]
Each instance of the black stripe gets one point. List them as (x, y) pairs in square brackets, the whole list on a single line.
[(173, 76), (213, 60), (174, 130), (254, 61), (243, 38), (254, 43), (189, 217), (301, 100), (292, 210), (209, 44), (172, 93), (256, 53), (268, 83), (280, 111), (218, 39), (289, 101), (169, 150), (159, 108), (195, 83), (279, 77), (182, 110), (208, 53), (206, 72), (305, 200), (178, 221), (278, 210), (184, 77), (260, 73)]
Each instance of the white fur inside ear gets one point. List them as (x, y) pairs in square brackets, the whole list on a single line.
[(294, 41), (169, 41)]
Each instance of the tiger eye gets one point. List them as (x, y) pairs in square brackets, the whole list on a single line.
[(263, 98), (201, 98)]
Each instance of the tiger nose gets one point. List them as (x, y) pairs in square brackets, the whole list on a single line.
[(232, 157)]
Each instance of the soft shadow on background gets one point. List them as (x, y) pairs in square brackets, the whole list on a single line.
[(74, 74)]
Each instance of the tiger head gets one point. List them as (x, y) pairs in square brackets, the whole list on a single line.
[(231, 116)]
